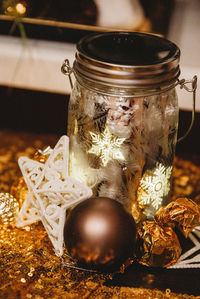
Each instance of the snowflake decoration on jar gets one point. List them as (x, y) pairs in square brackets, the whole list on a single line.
[(106, 146), (154, 186)]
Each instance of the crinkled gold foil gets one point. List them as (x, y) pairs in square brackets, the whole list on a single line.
[(183, 213), (157, 246)]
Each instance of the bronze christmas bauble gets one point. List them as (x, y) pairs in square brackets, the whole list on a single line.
[(100, 234)]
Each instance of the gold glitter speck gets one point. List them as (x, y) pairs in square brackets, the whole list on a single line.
[(23, 280)]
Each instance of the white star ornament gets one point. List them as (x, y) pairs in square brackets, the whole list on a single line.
[(51, 192)]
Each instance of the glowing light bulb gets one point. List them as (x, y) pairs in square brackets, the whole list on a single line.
[(20, 8)]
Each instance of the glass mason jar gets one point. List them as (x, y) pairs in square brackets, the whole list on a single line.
[(123, 118)]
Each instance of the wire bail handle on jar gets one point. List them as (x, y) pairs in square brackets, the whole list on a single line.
[(66, 69), (183, 84)]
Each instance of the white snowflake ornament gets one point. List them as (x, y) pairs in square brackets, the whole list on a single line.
[(154, 185), (51, 192), (106, 146)]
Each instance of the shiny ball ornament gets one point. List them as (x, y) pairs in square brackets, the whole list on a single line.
[(9, 208), (100, 234)]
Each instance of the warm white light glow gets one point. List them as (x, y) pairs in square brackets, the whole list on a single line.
[(106, 146), (10, 9), (20, 8), (81, 171)]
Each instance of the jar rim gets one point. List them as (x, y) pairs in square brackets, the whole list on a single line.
[(127, 59)]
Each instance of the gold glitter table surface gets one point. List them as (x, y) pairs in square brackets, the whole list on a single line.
[(31, 270)]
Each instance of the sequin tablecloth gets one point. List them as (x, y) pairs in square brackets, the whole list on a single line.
[(29, 268)]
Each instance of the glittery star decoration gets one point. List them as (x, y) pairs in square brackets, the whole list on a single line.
[(51, 192), (154, 185), (106, 146)]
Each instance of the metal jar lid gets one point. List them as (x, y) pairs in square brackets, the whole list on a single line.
[(127, 60)]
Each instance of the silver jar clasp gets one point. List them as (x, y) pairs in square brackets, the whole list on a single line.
[(66, 69)]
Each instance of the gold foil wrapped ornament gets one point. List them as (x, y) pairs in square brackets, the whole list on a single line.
[(183, 213), (157, 243), (9, 208), (157, 246)]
